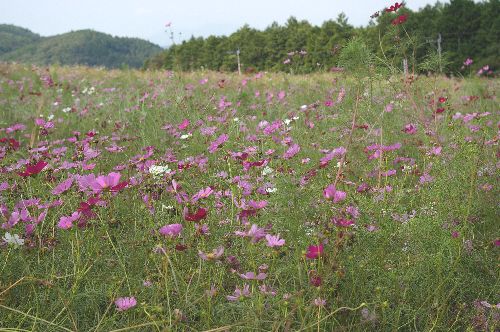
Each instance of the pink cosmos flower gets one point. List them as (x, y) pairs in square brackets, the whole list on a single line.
[(171, 230), (319, 302), (292, 151), (183, 125), (332, 193), (218, 142), (62, 187), (468, 62), (252, 276), (257, 204), (239, 293), (314, 252), (67, 222), (255, 233), (425, 178), (125, 303), (410, 129), (436, 151), (108, 182), (274, 241), (203, 193), (341, 222), (215, 254)]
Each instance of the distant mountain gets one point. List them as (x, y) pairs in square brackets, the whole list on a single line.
[(12, 38), (83, 47)]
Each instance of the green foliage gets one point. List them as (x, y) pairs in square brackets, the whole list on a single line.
[(84, 47), (468, 29), (13, 37), (356, 58), (404, 274)]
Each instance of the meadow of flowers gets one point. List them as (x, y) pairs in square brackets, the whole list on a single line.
[(158, 201)]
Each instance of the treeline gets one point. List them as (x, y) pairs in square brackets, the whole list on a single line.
[(467, 30)]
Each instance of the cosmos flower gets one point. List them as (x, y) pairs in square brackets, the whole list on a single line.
[(109, 182), (410, 129), (335, 195), (400, 19), (214, 255), (200, 214), (33, 169), (171, 230), (253, 276), (274, 241), (14, 239), (394, 8), (314, 252), (66, 222), (468, 62), (125, 303), (239, 293)]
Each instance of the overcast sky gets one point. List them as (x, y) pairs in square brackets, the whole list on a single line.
[(147, 18)]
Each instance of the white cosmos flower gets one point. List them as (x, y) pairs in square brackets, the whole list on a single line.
[(267, 170), (186, 136), (158, 170), (14, 240)]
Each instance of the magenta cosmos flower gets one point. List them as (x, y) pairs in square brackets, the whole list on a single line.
[(33, 169), (125, 303), (332, 193), (314, 252)]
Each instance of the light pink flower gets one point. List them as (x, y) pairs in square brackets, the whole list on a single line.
[(274, 241), (125, 303), (252, 276), (215, 254), (171, 230)]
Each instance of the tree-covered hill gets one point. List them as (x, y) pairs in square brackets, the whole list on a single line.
[(84, 47), (468, 29), (13, 37)]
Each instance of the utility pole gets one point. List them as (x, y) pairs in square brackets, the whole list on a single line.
[(438, 40), (239, 63), (237, 58), (439, 52)]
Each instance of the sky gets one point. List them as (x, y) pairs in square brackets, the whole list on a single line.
[(147, 18)]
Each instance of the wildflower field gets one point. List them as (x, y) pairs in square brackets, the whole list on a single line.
[(165, 201)]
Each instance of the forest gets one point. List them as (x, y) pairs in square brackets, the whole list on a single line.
[(463, 28)]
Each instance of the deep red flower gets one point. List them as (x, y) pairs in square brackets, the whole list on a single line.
[(394, 8), (400, 19), (119, 186), (199, 215), (442, 100), (33, 169), (12, 143), (440, 110), (315, 278)]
